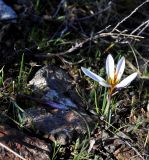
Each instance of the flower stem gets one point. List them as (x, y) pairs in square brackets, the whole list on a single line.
[(106, 112)]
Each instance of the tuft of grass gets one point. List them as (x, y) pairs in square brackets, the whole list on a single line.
[(20, 85), (79, 151), (7, 96), (19, 115), (56, 149)]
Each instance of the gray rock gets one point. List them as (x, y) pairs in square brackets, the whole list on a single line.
[(60, 126), (6, 12), (54, 84)]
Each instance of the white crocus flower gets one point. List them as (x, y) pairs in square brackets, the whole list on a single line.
[(113, 74)]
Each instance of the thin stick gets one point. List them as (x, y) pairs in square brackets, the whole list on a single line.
[(80, 45), (146, 140), (143, 28), (10, 150), (93, 15), (120, 34), (59, 7), (141, 25), (129, 15)]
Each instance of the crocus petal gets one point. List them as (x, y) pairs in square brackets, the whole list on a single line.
[(92, 75), (104, 83), (127, 80), (120, 68), (110, 67)]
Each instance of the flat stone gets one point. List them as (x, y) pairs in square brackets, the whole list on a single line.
[(61, 126), (30, 148), (52, 83)]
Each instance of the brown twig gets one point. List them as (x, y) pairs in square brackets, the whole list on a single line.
[(140, 26), (123, 20), (80, 45), (136, 37), (58, 8), (93, 15), (144, 28), (10, 150)]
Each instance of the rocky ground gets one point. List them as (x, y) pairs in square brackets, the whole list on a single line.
[(48, 108)]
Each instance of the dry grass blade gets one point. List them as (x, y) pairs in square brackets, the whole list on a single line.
[(134, 56), (147, 139)]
